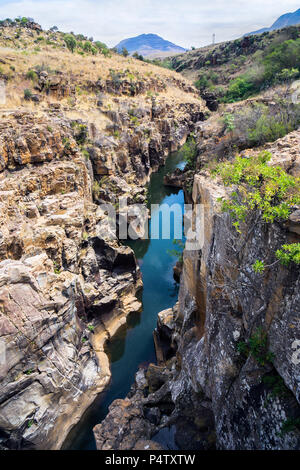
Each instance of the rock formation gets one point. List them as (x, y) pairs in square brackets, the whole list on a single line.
[(83, 136), (213, 391)]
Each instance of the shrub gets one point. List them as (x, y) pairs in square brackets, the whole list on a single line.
[(101, 47), (258, 266), (289, 425), (257, 347), (239, 88), (27, 94), (287, 75), (228, 120), (282, 56), (87, 46), (289, 253), (32, 75), (189, 153), (258, 124), (268, 129), (116, 78), (260, 187), (138, 56), (70, 42), (96, 189), (206, 80)]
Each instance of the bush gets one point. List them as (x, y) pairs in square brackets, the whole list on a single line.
[(258, 124), (289, 253), (70, 42), (206, 80), (32, 75), (257, 347), (87, 46), (280, 64), (282, 56), (189, 152), (240, 88), (102, 48), (27, 94), (261, 187)]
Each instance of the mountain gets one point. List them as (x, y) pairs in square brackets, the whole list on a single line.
[(148, 44), (289, 19)]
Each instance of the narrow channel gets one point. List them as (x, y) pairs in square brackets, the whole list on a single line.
[(133, 345)]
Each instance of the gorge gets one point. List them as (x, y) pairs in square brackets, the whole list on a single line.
[(99, 347)]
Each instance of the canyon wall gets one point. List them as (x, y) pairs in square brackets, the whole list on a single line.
[(205, 389), (66, 285)]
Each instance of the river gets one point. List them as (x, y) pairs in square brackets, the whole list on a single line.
[(133, 345)]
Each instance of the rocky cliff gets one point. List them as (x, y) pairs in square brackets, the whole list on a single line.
[(87, 130), (206, 390)]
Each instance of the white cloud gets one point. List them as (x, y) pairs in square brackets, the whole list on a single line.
[(189, 22)]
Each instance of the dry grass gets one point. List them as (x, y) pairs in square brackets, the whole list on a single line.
[(18, 56)]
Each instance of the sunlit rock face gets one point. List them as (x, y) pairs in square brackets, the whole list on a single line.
[(66, 286)]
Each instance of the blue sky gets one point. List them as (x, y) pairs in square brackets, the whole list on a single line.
[(185, 22)]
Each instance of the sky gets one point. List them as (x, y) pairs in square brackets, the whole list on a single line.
[(184, 22)]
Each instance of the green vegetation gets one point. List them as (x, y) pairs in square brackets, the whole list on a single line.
[(258, 266), (125, 52), (32, 75), (228, 120), (284, 56), (261, 187), (189, 153), (256, 124), (56, 267), (85, 153), (137, 56), (27, 94), (80, 132), (257, 347), (289, 253), (91, 328), (116, 78), (289, 425), (281, 63), (96, 189), (265, 188), (276, 385), (70, 42)]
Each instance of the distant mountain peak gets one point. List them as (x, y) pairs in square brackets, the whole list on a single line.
[(288, 19), (148, 44)]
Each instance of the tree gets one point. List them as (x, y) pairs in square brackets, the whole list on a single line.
[(87, 46), (125, 52), (70, 42), (100, 45), (54, 29), (138, 56)]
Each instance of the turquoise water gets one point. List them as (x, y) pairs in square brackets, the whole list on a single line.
[(133, 345)]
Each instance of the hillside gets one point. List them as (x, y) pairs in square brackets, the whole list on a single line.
[(289, 19), (241, 68), (149, 45)]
